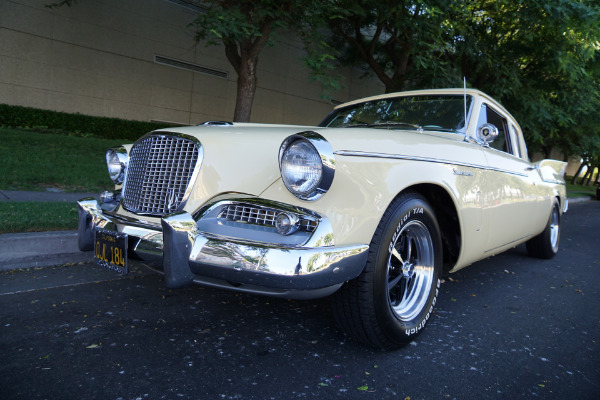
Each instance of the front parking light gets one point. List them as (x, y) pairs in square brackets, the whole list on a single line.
[(116, 161), (287, 223)]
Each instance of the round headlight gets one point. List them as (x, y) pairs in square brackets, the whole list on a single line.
[(307, 165), (116, 161), (301, 168)]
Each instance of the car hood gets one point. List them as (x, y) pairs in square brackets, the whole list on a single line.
[(240, 158), (244, 158)]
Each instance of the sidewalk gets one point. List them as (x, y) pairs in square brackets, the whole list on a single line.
[(45, 249), (41, 249), (13, 195)]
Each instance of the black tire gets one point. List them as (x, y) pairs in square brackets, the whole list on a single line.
[(388, 305), (545, 245)]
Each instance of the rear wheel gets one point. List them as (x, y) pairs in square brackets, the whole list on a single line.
[(545, 245), (391, 301)]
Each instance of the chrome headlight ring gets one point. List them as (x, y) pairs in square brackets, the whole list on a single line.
[(307, 165), (116, 161)]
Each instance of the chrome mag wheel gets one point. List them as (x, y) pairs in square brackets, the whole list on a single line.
[(555, 228), (410, 271)]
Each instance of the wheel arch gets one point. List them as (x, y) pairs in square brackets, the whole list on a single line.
[(447, 217)]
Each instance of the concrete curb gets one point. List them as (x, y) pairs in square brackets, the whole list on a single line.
[(579, 199), (40, 249)]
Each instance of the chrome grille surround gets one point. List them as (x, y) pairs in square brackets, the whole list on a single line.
[(256, 215), (161, 168)]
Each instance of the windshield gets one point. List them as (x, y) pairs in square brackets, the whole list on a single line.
[(437, 112)]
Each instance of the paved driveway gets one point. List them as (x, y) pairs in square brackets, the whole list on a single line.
[(507, 327)]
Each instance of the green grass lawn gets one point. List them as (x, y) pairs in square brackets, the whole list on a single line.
[(36, 161), (579, 190), (37, 216)]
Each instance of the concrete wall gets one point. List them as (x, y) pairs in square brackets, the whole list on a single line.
[(98, 58)]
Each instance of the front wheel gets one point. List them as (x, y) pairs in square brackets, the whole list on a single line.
[(545, 245), (388, 305)]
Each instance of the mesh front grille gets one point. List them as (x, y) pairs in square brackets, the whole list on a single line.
[(158, 174), (250, 214)]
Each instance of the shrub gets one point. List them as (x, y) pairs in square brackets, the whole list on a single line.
[(74, 124)]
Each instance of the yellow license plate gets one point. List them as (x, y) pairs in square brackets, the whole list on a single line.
[(110, 250)]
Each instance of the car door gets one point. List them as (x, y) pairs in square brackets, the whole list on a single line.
[(512, 207)]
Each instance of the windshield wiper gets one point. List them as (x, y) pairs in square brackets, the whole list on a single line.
[(385, 125), (392, 124), (398, 124)]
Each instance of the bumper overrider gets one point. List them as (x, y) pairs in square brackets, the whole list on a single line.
[(200, 248)]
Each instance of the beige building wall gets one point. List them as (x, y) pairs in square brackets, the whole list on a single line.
[(99, 58)]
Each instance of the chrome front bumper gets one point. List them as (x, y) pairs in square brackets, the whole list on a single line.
[(184, 254)]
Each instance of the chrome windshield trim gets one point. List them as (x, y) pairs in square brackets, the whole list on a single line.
[(352, 153)]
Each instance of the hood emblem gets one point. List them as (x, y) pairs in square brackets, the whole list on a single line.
[(172, 199)]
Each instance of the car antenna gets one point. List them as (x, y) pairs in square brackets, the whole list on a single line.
[(465, 104)]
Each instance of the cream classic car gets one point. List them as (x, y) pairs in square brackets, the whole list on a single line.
[(371, 206)]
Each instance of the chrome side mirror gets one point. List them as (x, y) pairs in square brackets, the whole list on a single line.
[(487, 133)]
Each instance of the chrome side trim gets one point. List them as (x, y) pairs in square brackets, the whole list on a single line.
[(352, 153)]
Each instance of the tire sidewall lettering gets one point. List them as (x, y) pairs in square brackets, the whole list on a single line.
[(403, 219), (424, 320)]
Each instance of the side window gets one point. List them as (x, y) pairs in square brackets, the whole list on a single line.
[(487, 115)]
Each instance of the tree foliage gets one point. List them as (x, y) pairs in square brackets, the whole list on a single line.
[(538, 57), (244, 28), (535, 56), (397, 40)]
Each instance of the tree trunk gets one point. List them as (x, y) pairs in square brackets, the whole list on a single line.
[(246, 88), (547, 151), (586, 175), (243, 56), (574, 180), (591, 175)]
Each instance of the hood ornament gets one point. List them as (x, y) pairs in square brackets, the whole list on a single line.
[(171, 200)]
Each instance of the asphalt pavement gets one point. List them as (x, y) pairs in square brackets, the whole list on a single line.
[(508, 327)]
